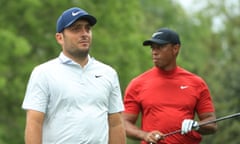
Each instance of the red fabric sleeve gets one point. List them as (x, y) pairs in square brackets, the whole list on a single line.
[(130, 99), (205, 103)]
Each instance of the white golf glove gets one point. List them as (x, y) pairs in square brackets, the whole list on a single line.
[(188, 125)]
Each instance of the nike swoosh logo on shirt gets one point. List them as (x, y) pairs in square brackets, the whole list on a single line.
[(97, 76), (183, 87)]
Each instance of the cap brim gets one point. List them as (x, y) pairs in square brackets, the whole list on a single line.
[(151, 41), (91, 19)]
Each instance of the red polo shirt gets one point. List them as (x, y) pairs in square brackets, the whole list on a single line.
[(165, 99)]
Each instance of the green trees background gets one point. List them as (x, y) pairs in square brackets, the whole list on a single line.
[(27, 38)]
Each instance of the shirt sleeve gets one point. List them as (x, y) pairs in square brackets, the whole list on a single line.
[(36, 96), (130, 98), (205, 103), (115, 102)]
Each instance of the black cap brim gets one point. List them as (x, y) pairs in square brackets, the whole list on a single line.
[(156, 41)]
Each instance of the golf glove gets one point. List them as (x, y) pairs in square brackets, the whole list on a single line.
[(189, 125)]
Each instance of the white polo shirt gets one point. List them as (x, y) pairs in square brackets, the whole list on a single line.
[(76, 101)]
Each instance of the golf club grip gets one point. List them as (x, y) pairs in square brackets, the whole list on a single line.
[(205, 123)]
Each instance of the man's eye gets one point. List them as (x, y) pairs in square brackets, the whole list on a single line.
[(75, 29), (88, 28)]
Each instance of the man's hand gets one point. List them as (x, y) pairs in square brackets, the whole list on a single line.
[(153, 137), (188, 125)]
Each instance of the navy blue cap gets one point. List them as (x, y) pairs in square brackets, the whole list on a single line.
[(69, 16), (163, 36)]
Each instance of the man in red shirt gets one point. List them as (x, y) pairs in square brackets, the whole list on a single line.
[(167, 97)]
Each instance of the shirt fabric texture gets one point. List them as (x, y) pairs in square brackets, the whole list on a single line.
[(165, 99), (76, 100)]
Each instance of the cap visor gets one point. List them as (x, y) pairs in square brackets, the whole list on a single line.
[(91, 19), (149, 42)]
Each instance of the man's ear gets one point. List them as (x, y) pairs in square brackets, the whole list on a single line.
[(59, 38), (176, 48)]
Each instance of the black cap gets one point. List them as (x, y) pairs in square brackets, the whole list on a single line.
[(163, 36)]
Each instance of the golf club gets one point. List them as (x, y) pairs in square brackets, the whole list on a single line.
[(204, 123)]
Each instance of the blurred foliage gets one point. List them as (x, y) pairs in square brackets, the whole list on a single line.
[(27, 35)]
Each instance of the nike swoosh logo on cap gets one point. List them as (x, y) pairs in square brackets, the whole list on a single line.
[(76, 13)]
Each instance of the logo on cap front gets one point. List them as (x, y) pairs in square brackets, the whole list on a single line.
[(156, 33), (76, 13)]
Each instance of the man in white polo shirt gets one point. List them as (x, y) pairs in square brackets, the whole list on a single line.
[(74, 99)]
